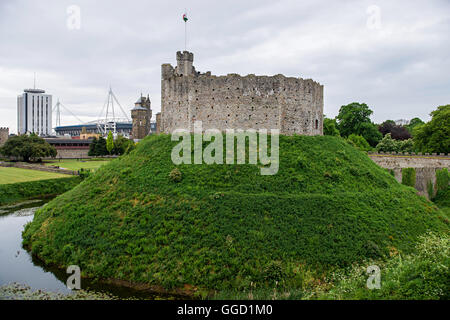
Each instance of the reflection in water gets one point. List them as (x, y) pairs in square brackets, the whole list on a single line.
[(17, 265)]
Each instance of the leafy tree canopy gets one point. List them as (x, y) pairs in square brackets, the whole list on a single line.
[(110, 142), (434, 136), (354, 118), (28, 147), (98, 147), (397, 132), (122, 145), (414, 123), (359, 142), (387, 144), (330, 127)]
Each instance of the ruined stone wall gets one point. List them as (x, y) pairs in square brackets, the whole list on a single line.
[(4, 134), (292, 105), (72, 153), (425, 167), (158, 122), (39, 167)]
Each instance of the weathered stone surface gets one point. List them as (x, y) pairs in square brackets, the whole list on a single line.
[(425, 168), (141, 115), (292, 105), (4, 134)]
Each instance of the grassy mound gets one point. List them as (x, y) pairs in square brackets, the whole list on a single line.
[(227, 226), (15, 192), (423, 275)]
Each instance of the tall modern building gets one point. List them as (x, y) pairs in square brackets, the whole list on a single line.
[(34, 112)]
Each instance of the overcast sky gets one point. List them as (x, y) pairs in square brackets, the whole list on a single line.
[(392, 55)]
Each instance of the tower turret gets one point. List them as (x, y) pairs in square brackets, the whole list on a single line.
[(141, 115), (185, 62)]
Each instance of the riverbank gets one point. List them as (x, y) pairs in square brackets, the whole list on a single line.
[(15, 291), (15, 192)]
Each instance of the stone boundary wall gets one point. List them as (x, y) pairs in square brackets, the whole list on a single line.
[(72, 153), (412, 154), (425, 167), (39, 167), (399, 161)]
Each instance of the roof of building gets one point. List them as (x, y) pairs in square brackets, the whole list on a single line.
[(34, 90), (68, 141), (119, 125), (139, 101), (138, 108)]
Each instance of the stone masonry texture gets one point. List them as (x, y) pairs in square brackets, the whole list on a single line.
[(292, 105)]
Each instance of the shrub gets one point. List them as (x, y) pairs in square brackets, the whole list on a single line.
[(175, 175), (274, 272), (84, 173), (387, 144), (419, 276), (442, 179), (430, 189), (409, 177), (359, 142)]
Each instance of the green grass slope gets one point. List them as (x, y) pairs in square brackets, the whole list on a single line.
[(226, 226), (15, 192)]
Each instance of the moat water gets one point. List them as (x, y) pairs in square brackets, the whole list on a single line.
[(17, 265)]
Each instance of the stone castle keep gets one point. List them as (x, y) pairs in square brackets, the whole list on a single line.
[(292, 105)]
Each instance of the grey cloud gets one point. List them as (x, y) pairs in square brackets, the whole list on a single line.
[(399, 70)]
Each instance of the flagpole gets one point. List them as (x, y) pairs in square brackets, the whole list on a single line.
[(185, 18)]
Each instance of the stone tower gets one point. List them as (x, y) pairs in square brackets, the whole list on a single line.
[(4, 134), (141, 115), (185, 62)]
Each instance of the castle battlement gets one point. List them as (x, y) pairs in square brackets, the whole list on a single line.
[(292, 105)]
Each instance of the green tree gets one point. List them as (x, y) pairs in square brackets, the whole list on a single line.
[(28, 148), (370, 132), (122, 145), (434, 136), (359, 142), (414, 123), (330, 127), (110, 142), (355, 118), (387, 144), (93, 148), (100, 147)]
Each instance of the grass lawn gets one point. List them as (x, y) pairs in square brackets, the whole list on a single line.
[(13, 175), (74, 164)]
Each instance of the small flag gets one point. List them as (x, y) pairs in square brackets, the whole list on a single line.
[(185, 18)]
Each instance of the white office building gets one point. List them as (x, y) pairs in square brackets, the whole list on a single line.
[(34, 112)]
